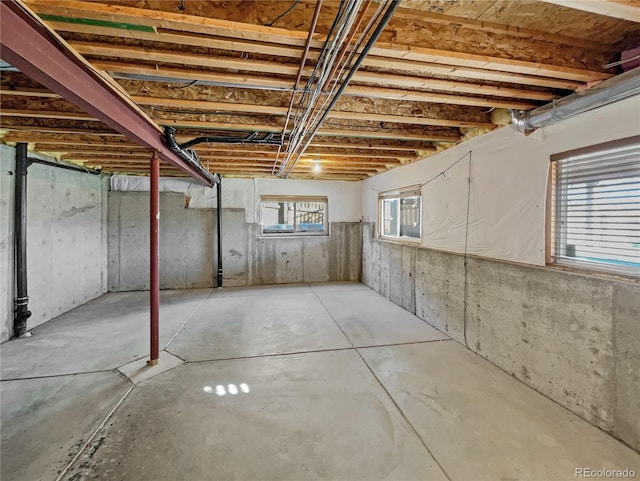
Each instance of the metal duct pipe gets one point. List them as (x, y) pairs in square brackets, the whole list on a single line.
[(612, 90), (21, 312)]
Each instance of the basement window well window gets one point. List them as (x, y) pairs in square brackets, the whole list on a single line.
[(294, 215), (400, 214), (594, 208)]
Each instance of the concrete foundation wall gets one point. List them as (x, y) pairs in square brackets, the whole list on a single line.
[(186, 243), (66, 240), (572, 337), (188, 248)]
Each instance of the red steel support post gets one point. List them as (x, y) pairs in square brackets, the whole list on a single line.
[(154, 225)]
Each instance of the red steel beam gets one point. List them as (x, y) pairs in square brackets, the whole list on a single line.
[(30, 47), (154, 231)]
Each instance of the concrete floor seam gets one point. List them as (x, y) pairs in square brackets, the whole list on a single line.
[(56, 375), (387, 392), (333, 319), (261, 356), (188, 319), (95, 433), (404, 416), (175, 355), (404, 343), (278, 354), (262, 293)]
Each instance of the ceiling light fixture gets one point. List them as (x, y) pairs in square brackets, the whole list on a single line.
[(316, 166)]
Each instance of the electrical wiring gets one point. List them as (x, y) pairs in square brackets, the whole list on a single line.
[(308, 128), (620, 62), (446, 170), (286, 12), (190, 84), (309, 100), (307, 89), (312, 108), (466, 243)]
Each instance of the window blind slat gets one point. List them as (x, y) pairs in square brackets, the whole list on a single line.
[(596, 202)]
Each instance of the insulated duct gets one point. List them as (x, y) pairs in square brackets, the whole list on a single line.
[(612, 90)]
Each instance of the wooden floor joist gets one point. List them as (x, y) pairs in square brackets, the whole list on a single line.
[(394, 57), (209, 26), (220, 72)]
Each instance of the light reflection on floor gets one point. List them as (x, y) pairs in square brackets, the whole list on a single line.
[(232, 389)]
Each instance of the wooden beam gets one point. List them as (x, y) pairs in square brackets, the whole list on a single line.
[(43, 114), (28, 92), (394, 51), (395, 57), (352, 90), (172, 36), (233, 159), (86, 137), (355, 133), (174, 21), (511, 30), (240, 167), (361, 76), (206, 106), (219, 150), (626, 10)]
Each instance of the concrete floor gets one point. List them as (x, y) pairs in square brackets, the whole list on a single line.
[(308, 381)]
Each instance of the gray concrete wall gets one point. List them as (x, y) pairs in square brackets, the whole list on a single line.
[(7, 162), (572, 337), (275, 260), (66, 240), (188, 248), (186, 243)]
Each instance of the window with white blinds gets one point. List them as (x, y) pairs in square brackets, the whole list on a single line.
[(595, 208)]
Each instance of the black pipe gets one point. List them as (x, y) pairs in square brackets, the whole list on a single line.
[(219, 193), (64, 166), (268, 139), (190, 156), (21, 312)]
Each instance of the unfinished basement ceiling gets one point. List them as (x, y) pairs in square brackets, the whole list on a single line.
[(440, 72)]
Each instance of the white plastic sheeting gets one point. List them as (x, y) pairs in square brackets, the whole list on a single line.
[(508, 230), (508, 184), (344, 197), (200, 197)]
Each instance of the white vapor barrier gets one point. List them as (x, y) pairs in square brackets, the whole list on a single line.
[(345, 200), (509, 173), (235, 192)]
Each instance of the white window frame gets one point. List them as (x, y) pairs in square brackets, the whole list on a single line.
[(616, 154), (398, 194), (294, 199)]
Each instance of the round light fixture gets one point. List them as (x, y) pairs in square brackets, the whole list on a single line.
[(316, 166)]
